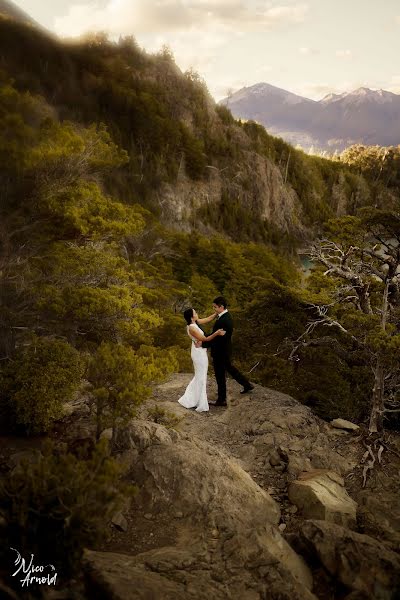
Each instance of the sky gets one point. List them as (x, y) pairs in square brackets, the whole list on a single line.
[(311, 48)]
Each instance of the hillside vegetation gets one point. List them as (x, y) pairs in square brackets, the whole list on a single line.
[(232, 177), (127, 196)]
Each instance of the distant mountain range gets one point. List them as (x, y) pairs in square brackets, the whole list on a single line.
[(333, 123)]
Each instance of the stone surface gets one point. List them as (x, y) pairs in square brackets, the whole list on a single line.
[(190, 476), (119, 521), (172, 573), (378, 514), (203, 524), (343, 424), (107, 433), (320, 494), (206, 490), (358, 561)]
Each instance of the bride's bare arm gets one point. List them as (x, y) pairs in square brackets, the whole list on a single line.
[(207, 319), (201, 337)]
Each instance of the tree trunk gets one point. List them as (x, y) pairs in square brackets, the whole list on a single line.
[(376, 417)]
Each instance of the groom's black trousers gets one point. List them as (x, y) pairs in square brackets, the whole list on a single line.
[(222, 365)]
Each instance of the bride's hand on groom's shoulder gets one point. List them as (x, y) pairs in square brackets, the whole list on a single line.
[(221, 332)]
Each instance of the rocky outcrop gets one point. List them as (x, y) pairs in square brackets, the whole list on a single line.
[(213, 519), (321, 495), (176, 473), (172, 573), (234, 548), (358, 562)]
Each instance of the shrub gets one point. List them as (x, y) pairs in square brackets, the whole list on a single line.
[(60, 504), (38, 380), (121, 379)]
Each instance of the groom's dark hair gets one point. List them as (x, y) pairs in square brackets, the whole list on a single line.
[(220, 301), (188, 314)]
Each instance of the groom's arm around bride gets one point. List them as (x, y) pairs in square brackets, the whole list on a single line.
[(221, 350)]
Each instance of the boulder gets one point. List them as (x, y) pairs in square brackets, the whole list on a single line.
[(173, 573), (320, 494), (119, 521), (190, 476), (343, 424), (378, 514), (228, 535), (357, 561), (107, 434)]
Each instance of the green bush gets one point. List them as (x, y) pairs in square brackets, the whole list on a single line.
[(121, 379), (60, 504), (38, 380)]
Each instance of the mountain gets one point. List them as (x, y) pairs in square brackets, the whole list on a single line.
[(190, 163), (333, 123), (11, 10)]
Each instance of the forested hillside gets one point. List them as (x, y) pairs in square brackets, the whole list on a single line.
[(189, 160), (127, 195), (111, 157)]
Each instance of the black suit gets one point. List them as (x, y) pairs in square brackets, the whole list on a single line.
[(221, 350)]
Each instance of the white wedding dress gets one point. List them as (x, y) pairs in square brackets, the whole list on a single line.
[(195, 395)]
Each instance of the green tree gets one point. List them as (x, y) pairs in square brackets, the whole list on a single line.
[(120, 379), (39, 379), (59, 504)]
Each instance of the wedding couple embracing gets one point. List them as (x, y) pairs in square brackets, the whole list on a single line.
[(220, 343)]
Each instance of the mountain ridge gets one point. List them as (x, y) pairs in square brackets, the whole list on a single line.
[(330, 124), (13, 11)]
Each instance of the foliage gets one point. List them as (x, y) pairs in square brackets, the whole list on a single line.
[(166, 124), (379, 164), (120, 378), (165, 417), (38, 380), (59, 504), (82, 260), (362, 300)]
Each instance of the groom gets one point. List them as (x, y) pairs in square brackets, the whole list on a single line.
[(221, 350)]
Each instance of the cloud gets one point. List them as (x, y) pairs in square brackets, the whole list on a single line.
[(263, 70), (197, 49), (155, 17), (195, 30), (344, 53), (224, 88), (308, 51)]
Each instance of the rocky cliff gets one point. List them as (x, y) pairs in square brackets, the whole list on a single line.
[(259, 500)]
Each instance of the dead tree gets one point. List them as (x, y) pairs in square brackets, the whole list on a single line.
[(367, 276)]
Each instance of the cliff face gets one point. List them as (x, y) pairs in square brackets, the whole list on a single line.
[(258, 188)]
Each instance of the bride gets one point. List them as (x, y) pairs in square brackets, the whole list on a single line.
[(195, 395)]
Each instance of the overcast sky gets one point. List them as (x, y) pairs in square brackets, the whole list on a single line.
[(311, 48)]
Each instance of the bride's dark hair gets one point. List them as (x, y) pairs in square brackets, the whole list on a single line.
[(188, 314)]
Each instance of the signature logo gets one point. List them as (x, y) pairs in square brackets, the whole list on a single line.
[(34, 573)]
